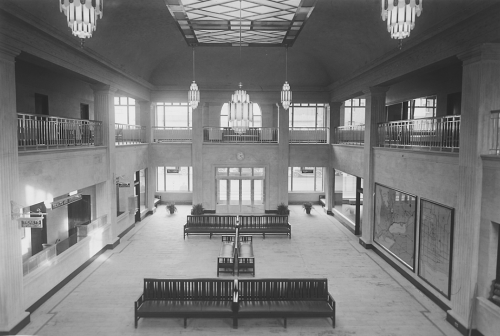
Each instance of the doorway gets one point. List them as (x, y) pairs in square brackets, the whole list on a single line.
[(240, 190)]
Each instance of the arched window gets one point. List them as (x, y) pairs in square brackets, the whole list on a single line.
[(257, 116)]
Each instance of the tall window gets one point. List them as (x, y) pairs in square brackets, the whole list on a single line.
[(174, 179), (173, 115), (257, 116), (422, 107), (307, 115), (354, 112), (125, 110), (305, 178)]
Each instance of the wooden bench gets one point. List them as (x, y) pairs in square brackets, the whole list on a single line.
[(265, 224), (210, 224), (186, 298), (284, 298), (246, 259), (227, 252)]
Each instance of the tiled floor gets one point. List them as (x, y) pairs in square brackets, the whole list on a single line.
[(372, 298)]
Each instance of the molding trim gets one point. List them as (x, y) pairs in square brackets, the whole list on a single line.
[(23, 323), (367, 246), (459, 326)]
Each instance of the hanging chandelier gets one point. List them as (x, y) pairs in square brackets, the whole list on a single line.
[(82, 15), (400, 16), (240, 106), (286, 93), (194, 94)]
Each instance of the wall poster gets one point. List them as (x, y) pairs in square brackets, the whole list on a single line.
[(436, 245), (394, 227)]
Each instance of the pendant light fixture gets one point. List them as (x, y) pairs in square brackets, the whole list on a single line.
[(286, 93), (82, 16), (400, 16), (240, 106), (194, 93)]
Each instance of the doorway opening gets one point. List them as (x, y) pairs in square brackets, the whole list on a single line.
[(240, 190)]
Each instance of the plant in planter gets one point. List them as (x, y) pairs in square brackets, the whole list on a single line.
[(197, 209), (307, 206), (283, 209), (172, 208)]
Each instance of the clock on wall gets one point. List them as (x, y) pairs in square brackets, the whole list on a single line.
[(240, 156)]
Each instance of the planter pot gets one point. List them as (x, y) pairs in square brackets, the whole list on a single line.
[(308, 211)]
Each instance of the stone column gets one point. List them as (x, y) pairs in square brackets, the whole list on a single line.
[(333, 121), (480, 95), (283, 156), (12, 314), (374, 113), (147, 111), (104, 111), (197, 153)]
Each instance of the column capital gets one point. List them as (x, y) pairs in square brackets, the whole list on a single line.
[(376, 90), (8, 53), (335, 105), (103, 88), (482, 52)]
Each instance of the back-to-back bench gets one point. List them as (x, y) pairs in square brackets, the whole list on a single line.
[(210, 224), (265, 224)]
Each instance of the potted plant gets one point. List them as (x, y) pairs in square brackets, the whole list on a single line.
[(172, 208), (283, 209), (197, 209), (307, 206)]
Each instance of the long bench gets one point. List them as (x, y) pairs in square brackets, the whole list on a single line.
[(284, 298), (210, 224), (246, 259), (186, 298), (265, 224), (225, 260)]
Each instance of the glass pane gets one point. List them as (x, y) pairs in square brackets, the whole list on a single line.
[(258, 192), (123, 101), (117, 100), (258, 172), (224, 121), (190, 178), (362, 102), (222, 171), (160, 116), (289, 178), (222, 192), (290, 117), (319, 179), (246, 192), (131, 115), (234, 197), (121, 115), (355, 102), (257, 121), (176, 116), (304, 117), (302, 181), (358, 116), (131, 101), (234, 171), (320, 121), (347, 116), (246, 171), (176, 181), (160, 179), (348, 102)]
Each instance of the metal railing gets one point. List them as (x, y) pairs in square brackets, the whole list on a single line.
[(252, 135), (495, 132), (308, 135), (129, 134), (172, 134), (439, 134), (350, 135), (37, 131)]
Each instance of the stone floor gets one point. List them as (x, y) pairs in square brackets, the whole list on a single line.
[(371, 297)]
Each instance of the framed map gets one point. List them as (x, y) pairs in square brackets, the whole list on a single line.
[(394, 227), (436, 245)]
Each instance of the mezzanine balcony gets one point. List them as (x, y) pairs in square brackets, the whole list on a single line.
[(129, 134), (353, 135), (252, 135)]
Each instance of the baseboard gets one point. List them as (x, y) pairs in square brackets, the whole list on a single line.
[(126, 231), (113, 245), (476, 332), (18, 327), (459, 326), (367, 246)]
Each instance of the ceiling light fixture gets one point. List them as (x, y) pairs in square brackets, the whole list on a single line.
[(194, 94), (400, 16), (82, 16), (286, 93), (240, 106)]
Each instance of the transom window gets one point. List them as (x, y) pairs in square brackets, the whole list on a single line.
[(257, 116), (173, 115), (422, 107), (307, 115), (305, 178), (354, 112), (125, 110)]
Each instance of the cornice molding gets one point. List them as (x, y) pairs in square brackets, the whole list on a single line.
[(483, 52)]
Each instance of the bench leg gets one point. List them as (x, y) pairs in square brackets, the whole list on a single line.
[(285, 322), (264, 236), (235, 323), (210, 235), (185, 322)]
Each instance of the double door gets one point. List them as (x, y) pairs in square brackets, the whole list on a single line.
[(240, 195)]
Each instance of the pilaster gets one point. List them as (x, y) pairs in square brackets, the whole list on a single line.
[(147, 118), (333, 121), (283, 156), (374, 114), (12, 314), (197, 152)]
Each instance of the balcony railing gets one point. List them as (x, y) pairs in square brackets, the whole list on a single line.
[(36, 132), (439, 134), (129, 134), (350, 135), (312, 135), (495, 132), (252, 135), (172, 134)]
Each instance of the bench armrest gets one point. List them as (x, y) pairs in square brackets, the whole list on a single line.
[(331, 301), (139, 301), (235, 306)]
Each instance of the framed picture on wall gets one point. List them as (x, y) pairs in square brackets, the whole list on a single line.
[(394, 223), (436, 245)]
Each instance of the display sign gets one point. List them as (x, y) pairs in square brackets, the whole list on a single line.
[(66, 201), (173, 171), (31, 222), (123, 184), (307, 170)]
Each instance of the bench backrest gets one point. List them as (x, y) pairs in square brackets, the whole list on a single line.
[(212, 220), (188, 289), (282, 289), (262, 221)]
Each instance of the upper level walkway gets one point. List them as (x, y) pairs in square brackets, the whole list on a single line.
[(372, 298)]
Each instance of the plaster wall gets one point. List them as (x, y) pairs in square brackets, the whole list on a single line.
[(47, 174), (255, 156), (304, 155), (491, 186), (65, 93), (170, 155), (178, 197), (301, 197), (348, 159), (131, 158)]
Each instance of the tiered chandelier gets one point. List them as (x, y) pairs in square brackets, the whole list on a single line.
[(286, 93), (400, 16), (82, 15), (194, 94), (240, 106)]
